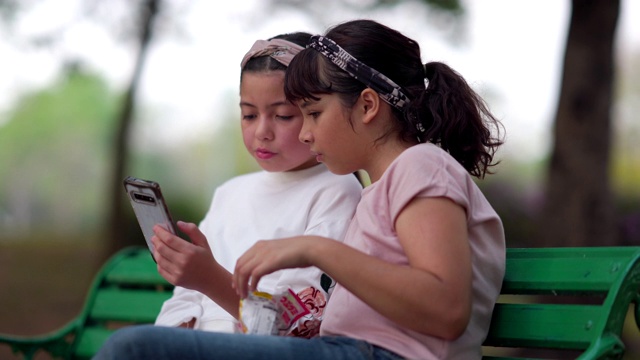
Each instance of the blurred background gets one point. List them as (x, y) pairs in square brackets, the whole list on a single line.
[(92, 91)]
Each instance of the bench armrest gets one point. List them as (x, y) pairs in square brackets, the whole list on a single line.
[(56, 343), (608, 347)]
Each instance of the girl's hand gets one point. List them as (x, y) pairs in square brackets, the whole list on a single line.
[(181, 263), (267, 256)]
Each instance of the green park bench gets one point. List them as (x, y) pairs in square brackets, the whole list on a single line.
[(127, 290), (552, 298), (573, 299)]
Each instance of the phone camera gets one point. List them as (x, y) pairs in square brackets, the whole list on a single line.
[(144, 198)]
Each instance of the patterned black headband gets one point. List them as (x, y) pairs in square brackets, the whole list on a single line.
[(388, 90)]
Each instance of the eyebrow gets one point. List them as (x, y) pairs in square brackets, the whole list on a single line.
[(277, 103), (306, 103)]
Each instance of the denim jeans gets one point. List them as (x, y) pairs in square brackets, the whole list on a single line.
[(158, 343)]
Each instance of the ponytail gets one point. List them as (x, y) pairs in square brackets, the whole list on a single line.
[(450, 114), (446, 112)]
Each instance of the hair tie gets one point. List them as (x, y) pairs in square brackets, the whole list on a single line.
[(388, 90), (429, 70), (280, 50)]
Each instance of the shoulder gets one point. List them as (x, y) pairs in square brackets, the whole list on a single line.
[(241, 180), (427, 162), (425, 154), (327, 193), (348, 181), (237, 184), (425, 170), (324, 179)]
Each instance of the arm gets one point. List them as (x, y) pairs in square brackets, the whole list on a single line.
[(193, 266), (433, 234)]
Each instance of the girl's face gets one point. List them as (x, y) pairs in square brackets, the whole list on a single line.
[(331, 136), (271, 124)]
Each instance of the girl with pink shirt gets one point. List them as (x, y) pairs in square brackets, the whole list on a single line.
[(423, 259)]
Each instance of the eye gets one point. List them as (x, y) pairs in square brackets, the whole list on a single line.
[(248, 117), (313, 114), (284, 117)]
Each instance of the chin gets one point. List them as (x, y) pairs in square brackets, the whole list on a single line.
[(338, 171), (270, 167)]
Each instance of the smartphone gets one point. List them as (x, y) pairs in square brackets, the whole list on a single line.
[(149, 206)]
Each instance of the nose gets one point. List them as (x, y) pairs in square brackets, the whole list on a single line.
[(263, 129), (305, 135)]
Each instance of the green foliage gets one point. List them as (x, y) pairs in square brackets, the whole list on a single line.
[(626, 147), (8, 10), (56, 155), (626, 174), (449, 6), (54, 146)]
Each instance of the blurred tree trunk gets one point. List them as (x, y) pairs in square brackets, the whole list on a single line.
[(578, 209), (117, 224)]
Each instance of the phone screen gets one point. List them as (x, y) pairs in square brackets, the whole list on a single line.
[(149, 207)]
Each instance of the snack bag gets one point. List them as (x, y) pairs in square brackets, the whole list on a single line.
[(265, 314), (258, 314)]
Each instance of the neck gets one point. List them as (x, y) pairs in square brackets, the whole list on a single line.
[(384, 154)]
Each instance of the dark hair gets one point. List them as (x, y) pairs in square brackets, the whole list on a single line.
[(267, 63), (447, 112)]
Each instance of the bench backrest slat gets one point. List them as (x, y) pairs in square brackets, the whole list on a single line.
[(137, 269), (565, 298), (547, 325), (133, 305), (127, 290), (570, 270)]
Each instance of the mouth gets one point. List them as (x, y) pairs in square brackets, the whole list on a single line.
[(264, 154), (317, 155)]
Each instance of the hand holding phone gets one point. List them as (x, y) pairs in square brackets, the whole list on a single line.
[(149, 207)]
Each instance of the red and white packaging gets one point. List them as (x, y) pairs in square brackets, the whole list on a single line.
[(265, 314)]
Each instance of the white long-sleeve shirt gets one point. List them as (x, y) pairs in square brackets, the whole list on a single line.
[(262, 206)]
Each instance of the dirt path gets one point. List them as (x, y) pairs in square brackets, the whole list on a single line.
[(43, 285)]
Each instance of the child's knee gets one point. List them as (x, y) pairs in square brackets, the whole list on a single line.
[(124, 342)]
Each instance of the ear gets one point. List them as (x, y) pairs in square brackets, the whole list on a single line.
[(369, 103)]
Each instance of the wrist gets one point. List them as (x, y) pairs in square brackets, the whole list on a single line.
[(320, 249)]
